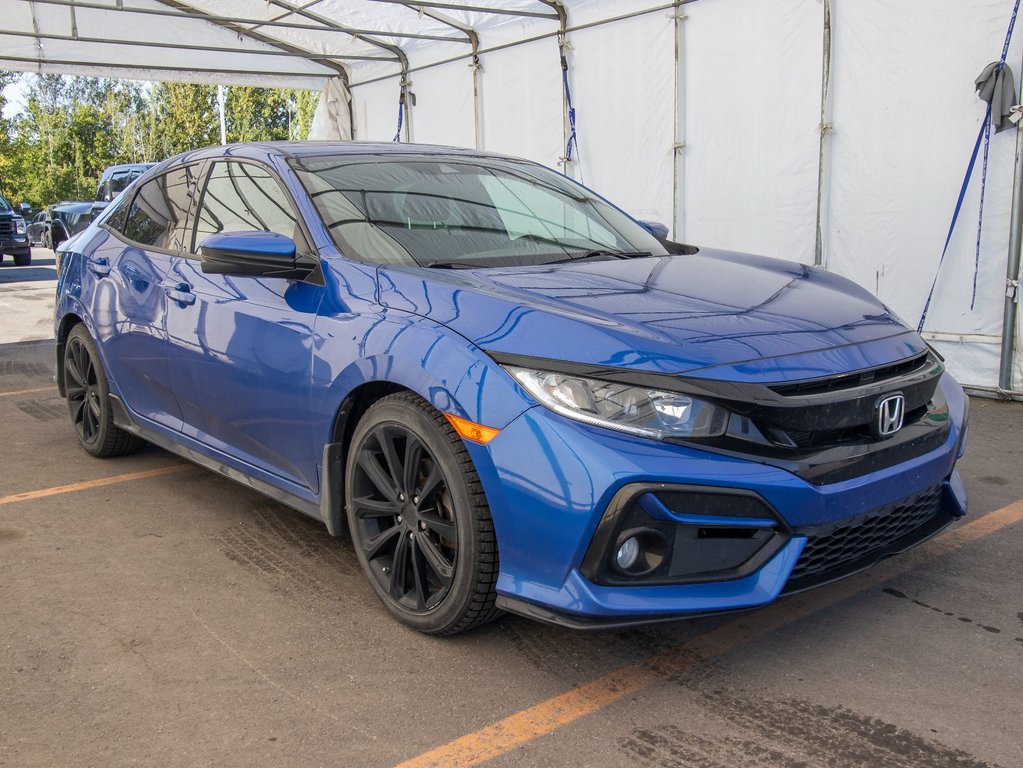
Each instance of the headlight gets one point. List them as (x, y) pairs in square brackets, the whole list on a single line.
[(637, 410), (19, 226)]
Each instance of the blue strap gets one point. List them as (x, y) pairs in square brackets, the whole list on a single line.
[(401, 117), (955, 217), (572, 139), (983, 136)]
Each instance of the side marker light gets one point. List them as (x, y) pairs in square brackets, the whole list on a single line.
[(470, 430)]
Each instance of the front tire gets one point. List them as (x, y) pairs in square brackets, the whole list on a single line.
[(419, 518), (23, 259), (88, 399)]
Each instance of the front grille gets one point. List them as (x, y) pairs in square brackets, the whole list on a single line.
[(851, 380), (6, 226), (865, 535)]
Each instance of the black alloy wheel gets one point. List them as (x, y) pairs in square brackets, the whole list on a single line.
[(85, 385), (418, 517)]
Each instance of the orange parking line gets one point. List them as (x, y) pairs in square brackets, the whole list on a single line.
[(531, 723), (52, 389), (88, 484)]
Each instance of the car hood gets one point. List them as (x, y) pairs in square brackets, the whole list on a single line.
[(713, 314)]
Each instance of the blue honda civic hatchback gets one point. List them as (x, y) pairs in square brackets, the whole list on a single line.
[(510, 393)]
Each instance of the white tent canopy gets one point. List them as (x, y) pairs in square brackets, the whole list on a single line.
[(823, 131)]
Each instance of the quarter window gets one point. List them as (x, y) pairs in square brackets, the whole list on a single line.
[(159, 211), (241, 197)]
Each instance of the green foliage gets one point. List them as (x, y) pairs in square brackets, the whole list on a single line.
[(72, 128)]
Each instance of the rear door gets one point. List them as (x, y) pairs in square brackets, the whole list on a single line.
[(242, 346), (129, 300)]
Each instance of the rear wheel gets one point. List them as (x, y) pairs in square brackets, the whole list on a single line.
[(88, 399), (419, 518)]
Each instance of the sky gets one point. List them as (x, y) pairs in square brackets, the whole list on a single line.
[(15, 95)]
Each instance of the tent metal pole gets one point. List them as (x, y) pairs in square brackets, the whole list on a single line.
[(223, 116), (296, 54), (261, 37), (476, 8), (563, 47), (473, 38), (193, 13), (142, 68), (1012, 274), (527, 40), (679, 143), (825, 130)]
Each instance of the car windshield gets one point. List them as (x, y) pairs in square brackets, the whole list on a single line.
[(442, 210), (4, 206)]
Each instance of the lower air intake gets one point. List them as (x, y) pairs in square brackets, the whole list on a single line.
[(833, 549)]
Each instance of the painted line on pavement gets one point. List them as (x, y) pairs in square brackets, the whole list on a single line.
[(541, 719), (52, 388), (89, 484)]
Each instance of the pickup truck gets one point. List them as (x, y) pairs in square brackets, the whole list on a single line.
[(14, 235)]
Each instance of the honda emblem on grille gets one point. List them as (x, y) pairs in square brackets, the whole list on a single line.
[(890, 412)]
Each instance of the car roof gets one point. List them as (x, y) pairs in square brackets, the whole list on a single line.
[(263, 150)]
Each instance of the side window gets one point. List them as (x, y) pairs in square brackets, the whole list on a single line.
[(119, 214), (159, 209), (241, 197)]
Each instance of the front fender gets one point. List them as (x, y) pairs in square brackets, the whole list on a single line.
[(421, 355)]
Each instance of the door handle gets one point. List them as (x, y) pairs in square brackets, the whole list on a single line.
[(99, 267), (181, 294)]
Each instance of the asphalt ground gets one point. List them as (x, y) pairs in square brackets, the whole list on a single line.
[(153, 613)]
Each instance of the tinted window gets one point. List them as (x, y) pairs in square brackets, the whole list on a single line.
[(485, 211), (241, 197), (159, 210), (118, 214)]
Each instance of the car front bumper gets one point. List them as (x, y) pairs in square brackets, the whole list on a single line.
[(551, 482), (13, 243)]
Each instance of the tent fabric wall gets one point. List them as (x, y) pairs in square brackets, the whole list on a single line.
[(905, 122), (753, 72), (902, 117), (742, 173)]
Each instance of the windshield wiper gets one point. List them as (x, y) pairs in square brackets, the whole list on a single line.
[(456, 265), (601, 252)]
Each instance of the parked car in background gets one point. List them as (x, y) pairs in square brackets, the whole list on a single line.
[(14, 235), (37, 229), (507, 390), (65, 219), (113, 181)]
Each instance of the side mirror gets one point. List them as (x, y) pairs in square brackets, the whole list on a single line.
[(251, 253), (660, 231), (655, 228)]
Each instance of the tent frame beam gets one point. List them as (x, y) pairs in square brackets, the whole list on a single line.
[(179, 6), (525, 41), (199, 15), (311, 56), (85, 65), (474, 8)]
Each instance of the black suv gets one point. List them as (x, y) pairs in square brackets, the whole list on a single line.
[(14, 235), (114, 180)]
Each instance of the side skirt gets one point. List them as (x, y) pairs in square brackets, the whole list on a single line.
[(124, 420)]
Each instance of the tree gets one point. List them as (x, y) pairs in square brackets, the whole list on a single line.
[(72, 128), (186, 117)]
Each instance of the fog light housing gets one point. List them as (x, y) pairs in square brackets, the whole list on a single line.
[(640, 552), (628, 554)]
